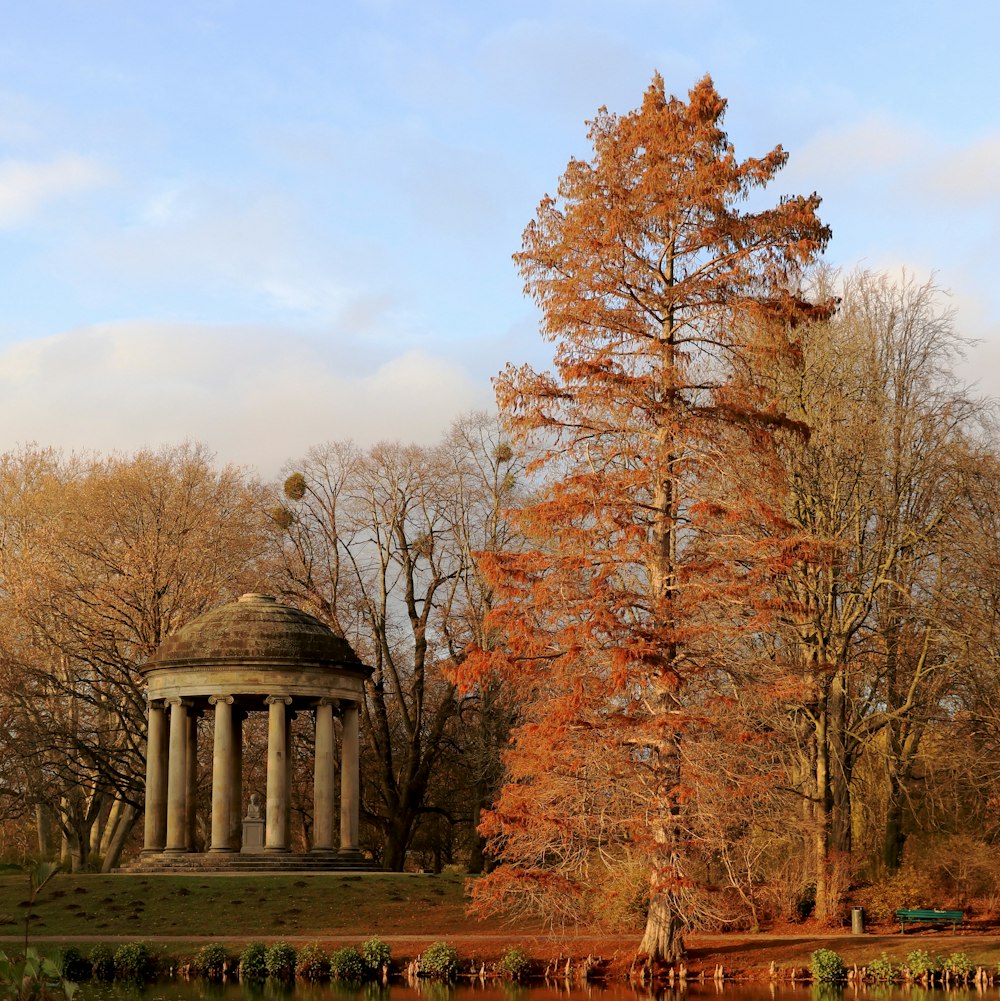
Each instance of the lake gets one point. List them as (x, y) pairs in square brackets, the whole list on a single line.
[(428, 990)]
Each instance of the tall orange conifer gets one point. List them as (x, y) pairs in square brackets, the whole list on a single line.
[(663, 294)]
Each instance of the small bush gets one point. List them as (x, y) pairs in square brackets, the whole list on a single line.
[(440, 961), (313, 963), (958, 965), (348, 965), (376, 954), (134, 962), (514, 963), (210, 961), (75, 966), (883, 970), (911, 888), (827, 967), (102, 962), (253, 961), (920, 963), (280, 961)]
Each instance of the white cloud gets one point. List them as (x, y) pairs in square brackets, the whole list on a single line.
[(27, 187), (969, 175), (257, 397)]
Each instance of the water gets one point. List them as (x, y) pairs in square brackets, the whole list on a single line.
[(198, 990)]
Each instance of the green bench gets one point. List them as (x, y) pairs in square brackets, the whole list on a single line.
[(933, 917)]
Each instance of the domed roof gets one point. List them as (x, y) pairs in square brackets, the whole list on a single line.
[(256, 629)]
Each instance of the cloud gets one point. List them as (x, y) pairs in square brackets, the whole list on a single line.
[(969, 175), (256, 396), (27, 188)]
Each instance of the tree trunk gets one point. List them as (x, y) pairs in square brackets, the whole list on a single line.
[(397, 840), (821, 817), (109, 827), (477, 843), (124, 823), (44, 825), (893, 837), (663, 939)]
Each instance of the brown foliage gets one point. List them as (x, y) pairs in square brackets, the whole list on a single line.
[(102, 558)]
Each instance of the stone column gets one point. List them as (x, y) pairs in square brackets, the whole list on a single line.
[(156, 779), (276, 816), (350, 780), (289, 776), (191, 796), (236, 802), (177, 777), (323, 778), (222, 773)]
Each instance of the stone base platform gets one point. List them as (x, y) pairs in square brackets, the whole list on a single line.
[(195, 862)]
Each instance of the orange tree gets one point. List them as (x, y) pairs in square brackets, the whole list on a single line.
[(663, 292)]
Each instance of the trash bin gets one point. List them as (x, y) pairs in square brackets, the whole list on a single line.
[(857, 921)]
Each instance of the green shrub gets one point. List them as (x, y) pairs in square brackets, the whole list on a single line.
[(883, 970), (75, 966), (210, 961), (921, 963), (440, 960), (134, 962), (102, 962), (280, 961), (958, 965), (376, 954), (347, 964), (514, 963), (253, 961), (313, 963), (827, 967)]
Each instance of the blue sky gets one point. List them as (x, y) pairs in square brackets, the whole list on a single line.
[(264, 226)]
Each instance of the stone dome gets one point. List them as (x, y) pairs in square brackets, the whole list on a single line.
[(255, 630)]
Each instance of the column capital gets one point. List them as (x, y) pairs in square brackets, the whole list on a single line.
[(273, 700), (214, 700), (327, 701), (176, 700), (157, 703)]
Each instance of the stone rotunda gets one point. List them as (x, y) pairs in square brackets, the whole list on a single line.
[(252, 655)]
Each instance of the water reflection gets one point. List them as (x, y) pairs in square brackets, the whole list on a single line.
[(429, 990)]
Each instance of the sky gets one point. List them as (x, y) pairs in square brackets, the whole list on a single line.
[(265, 226)]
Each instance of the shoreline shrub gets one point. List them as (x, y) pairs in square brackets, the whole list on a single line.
[(280, 961), (958, 965), (75, 966), (313, 963), (883, 970), (210, 961), (514, 963), (920, 963), (253, 962), (102, 962), (348, 965), (376, 954), (440, 961), (827, 967), (134, 962)]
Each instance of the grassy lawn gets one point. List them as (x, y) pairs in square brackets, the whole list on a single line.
[(238, 907), (399, 909)]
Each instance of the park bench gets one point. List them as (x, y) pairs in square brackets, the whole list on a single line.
[(933, 917)]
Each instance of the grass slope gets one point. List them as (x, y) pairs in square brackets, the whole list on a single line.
[(235, 906)]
